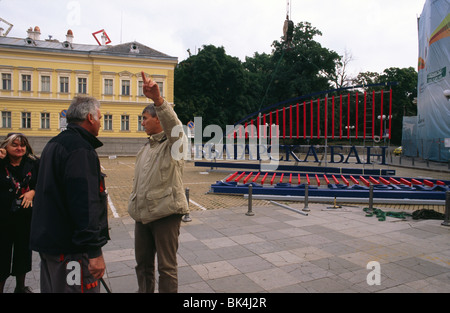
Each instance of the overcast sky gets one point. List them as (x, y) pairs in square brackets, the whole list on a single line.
[(378, 33)]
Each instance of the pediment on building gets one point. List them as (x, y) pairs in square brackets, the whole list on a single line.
[(125, 73)]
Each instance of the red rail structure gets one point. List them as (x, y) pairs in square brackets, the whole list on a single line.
[(321, 119)]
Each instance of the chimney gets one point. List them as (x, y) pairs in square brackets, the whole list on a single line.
[(34, 34), (30, 33), (69, 36), (37, 33)]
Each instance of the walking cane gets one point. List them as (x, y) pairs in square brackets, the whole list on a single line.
[(104, 285)]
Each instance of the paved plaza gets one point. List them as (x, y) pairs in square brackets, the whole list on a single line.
[(277, 250)]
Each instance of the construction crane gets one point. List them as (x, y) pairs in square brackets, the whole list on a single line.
[(9, 28), (288, 27)]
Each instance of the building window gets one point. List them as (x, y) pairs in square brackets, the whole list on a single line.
[(26, 82), (45, 120), (125, 122), (82, 85), (45, 83), (125, 87), (140, 89), (108, 119), (108, 86), (140, 127), (64, 84), (6, 81), (161, 88), (26, 120), (6, 119)]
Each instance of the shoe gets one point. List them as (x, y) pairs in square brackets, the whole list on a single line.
[(25, 289)]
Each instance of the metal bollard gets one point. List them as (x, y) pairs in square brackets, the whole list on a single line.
[(446, 221), (370, 197), (250, 194), (186, 217), (306, 208)]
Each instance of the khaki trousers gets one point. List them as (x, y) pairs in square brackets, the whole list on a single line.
[(158, 238)]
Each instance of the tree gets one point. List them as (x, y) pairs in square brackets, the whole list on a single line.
[(260, 71), (305, 66), (341, 78), (406, 89), (366, 78), (213, 85), (403, 95)]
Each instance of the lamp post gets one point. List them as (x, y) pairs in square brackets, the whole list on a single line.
[(350, 131), (384, 117)]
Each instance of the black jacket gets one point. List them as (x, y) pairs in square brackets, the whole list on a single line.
[(70, 207), (25, 174)]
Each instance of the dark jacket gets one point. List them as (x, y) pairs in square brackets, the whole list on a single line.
[(25, 174), (70, 205)]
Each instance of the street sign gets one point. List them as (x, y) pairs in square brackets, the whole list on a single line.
[(190, 130)]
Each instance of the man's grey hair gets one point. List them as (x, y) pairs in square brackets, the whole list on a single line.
[(80, 107), (150, 109)]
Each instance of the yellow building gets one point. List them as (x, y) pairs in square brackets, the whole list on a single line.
[(39, 78)]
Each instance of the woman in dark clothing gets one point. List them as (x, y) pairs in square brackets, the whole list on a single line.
[(18, 175)]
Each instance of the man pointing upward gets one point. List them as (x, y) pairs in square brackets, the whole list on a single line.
[(157, 201)]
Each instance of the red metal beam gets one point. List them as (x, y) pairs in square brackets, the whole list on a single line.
[(364, 180), (239, 177), (264, 179), (231, 177), (248, 177), (354, 180), (345, 180)]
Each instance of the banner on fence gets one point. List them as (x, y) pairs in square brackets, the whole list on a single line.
[(433, 107)]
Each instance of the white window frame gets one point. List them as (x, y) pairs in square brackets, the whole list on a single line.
[(125, 118), (6, 119), (139, 125), (140, 91), (126, 76), (30, 82), (105, 87), (42, 85), (122, 81), (10, 80), (25, 120), (81, 75), (63, 73), (108, 120), (45, 120), (60, 77), (84, 90)]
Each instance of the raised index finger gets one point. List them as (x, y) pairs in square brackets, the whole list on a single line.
[(144, 78)]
